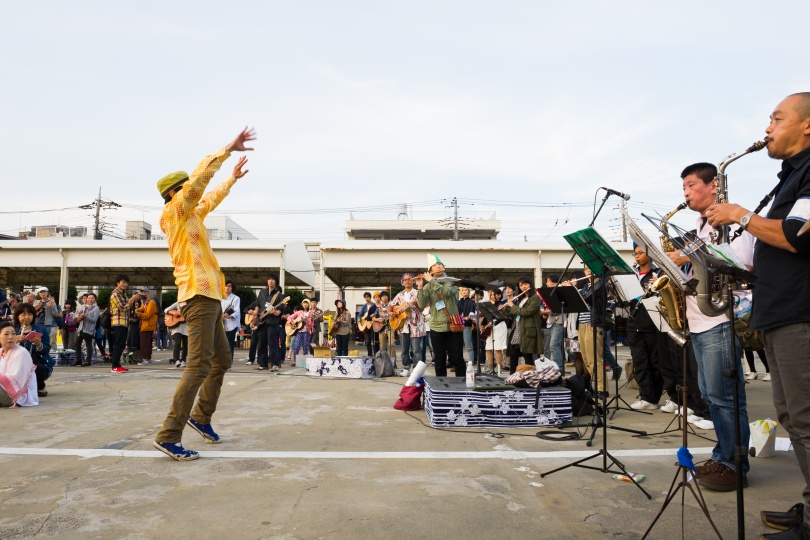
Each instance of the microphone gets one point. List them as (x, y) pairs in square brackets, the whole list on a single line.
[(624, 196)]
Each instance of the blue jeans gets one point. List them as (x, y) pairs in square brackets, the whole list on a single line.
[(411, 357), (556, 346), (468, 343), (608, 354), (713, 354)]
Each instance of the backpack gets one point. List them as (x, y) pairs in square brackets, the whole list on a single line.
[(105, 320), (383, 367), (581, 403)]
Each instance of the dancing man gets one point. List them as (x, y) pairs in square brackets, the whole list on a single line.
[(200, 290)]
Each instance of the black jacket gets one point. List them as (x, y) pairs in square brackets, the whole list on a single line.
[(263, 300)]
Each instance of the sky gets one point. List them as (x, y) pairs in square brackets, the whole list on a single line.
[(518, 109)]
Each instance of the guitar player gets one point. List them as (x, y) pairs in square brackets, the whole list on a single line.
[(365, 318), (269, 332), (413, 333)]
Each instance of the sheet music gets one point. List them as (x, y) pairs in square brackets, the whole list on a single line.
[(628, 287), (652, 305)]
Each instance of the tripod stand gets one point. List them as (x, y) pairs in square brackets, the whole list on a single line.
[(602, 260)]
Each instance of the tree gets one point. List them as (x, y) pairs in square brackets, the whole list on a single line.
[(103, 298), (169, 297), (296, 297)]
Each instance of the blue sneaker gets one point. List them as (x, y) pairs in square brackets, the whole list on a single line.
[(176, 451), (205, 430)]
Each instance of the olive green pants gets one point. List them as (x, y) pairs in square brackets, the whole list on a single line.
[(209, 357)]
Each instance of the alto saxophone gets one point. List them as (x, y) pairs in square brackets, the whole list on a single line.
[(671, 304), (713, 291)]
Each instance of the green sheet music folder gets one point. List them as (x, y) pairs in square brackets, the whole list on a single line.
[(595, 251)]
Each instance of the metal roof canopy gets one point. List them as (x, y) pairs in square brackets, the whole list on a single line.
[(361, 263), (147, 262)]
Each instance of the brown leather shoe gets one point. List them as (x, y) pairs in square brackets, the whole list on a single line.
[(782, 521), (722, 479), (706, 468)]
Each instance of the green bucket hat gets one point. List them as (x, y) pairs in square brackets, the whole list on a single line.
[(170, 182)]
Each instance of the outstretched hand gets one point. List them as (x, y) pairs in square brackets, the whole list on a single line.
[(238, 144), (237, 170)]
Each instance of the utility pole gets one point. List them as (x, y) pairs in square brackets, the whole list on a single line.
[(624, 223), (455, 219), (98, 203)]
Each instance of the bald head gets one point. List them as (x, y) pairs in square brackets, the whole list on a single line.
[(801, 104)]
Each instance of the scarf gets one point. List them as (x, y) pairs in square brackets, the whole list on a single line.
[(16, 368)]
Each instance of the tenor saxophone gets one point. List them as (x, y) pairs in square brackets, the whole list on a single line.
[(713, 290), (671, 304)]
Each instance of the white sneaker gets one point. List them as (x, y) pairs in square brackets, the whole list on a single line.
[(177, 364), (182, 364), (766, 377), (145, 364), (642, 405), (689, 412), (405, 373), (249, 363), (693, 418), (751, 376), (670, 407), (704, 424)]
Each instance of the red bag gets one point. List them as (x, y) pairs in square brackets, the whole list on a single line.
[(409, 399)]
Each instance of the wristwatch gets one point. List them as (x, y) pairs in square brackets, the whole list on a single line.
[(745, 220)]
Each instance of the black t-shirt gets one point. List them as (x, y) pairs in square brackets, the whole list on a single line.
[(782, 288)]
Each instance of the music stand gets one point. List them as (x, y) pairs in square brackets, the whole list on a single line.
[(627, 289), (603, 261), (491, 312), (562, 299)]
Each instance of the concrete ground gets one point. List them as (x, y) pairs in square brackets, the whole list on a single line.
[(309, 458)]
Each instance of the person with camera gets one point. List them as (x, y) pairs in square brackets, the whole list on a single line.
[(231, 310), (87, 331), (147, 313), (47, 312)]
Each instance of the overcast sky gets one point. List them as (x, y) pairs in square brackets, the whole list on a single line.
[(377, 103)]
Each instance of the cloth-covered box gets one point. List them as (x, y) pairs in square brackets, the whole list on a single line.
[(449, 403), (348, 367)]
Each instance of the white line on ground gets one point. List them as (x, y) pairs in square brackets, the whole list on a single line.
[(505, 454)]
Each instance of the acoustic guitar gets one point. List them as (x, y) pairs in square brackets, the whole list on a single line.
[(378, 326), (364, 324), (400, 316), (173, 318), (292, 327)]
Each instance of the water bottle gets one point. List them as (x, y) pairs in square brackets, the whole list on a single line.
[(470, 375)]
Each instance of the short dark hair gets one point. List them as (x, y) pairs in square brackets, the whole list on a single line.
[(6, 324), (272, 276), (385, 294), (705, 171), (21, 308), (554, 278), (366, 295), (230, 282), (121, 277), (527, 280)]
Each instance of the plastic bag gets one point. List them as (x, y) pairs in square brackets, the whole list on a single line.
[(763, 438)]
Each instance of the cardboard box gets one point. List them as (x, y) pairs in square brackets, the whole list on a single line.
[(322, 352)]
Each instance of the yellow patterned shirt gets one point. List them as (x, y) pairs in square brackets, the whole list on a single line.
[(196, 270)]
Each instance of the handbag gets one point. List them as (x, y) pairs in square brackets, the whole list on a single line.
[(409, 399), (457, 326)]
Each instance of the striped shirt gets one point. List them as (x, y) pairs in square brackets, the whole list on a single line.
[(196, 270)]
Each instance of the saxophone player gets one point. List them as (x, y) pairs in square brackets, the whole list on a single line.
[(643, 337), (710, 337), (781, 303)]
